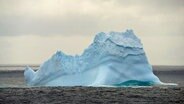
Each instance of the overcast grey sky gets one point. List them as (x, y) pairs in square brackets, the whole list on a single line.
[(32, 30)]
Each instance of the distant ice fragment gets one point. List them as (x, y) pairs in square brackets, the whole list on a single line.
[(115, 58)]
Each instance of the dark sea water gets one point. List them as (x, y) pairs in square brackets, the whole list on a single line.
[(12, 76)]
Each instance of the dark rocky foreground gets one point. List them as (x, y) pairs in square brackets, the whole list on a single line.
[(92, 95)]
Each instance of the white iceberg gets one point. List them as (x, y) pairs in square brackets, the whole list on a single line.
[(113, 59)]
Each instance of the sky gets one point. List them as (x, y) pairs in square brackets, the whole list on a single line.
[(32, 30)]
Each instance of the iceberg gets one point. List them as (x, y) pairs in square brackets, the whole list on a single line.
[(113, 59)]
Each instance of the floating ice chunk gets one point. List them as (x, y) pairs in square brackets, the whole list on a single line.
[(115, 58)]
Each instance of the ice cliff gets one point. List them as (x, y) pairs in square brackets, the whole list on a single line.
[(113, 59)]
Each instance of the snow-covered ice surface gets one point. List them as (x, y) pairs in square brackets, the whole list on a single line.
[(113, 59)]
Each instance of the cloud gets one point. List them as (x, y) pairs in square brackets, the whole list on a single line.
[(71, 24), (33, 24), (86, 17)]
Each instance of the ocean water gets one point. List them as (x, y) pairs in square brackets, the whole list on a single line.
[(12, 76)]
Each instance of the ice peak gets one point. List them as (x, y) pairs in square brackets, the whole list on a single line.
[(126, 39), (58, 56), (130, 34), (59, 53), (100, 37)]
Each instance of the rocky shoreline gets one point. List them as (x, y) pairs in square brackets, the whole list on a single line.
[(91, 95)]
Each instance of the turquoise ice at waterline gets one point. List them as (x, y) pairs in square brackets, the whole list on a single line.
[(113, 59)]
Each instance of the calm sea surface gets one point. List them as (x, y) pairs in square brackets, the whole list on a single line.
[(12, 75)]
